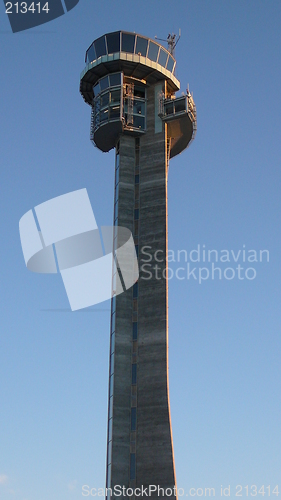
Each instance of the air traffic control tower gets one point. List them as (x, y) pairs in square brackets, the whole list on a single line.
[(129, 81)]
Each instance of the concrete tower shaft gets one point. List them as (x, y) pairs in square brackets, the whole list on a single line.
[(130, 83)]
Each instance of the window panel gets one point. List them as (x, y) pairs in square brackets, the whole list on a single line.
[(100, 46), (116, 209), (111, 383), (115, 112), (104, 84), (111, 364), (113, 303), (113, 42), (137, 179), (136, 227), (104, 100), (112, 345), (163, 57), (115, 96), (96, 89), (139, 91), (170, 64), (115, 79), (109, 452), (135, 330), (180, 105), (116, 176), (139, 122), (104, 115), (135, 290), (117, 160), (133, 466), (139, 107), (91, 54), (169, 108), (108, 483), (110, 412), (128, 42), (133, 419), (110, 429), (113, 322), (134, 374), (153, 51), (141, 46)]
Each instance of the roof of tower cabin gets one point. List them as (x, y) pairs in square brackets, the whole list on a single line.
[(135, 55)]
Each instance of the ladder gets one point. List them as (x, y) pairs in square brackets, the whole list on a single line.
[(129, 94)]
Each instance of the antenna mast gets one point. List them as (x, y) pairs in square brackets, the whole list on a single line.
[(172, 41)]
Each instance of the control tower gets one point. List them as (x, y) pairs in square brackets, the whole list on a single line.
[(129, 81)]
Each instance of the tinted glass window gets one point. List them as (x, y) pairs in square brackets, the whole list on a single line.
[(133, 419), (169, 108), (100, 46), (91, 54), (128, 42), (137, 179), (97, 89), (109, 439), (136, 227), (115, 79), (109, 453), (170, 64), (110, 407), (113, 43), (113, 322), (139, 122), (108, 482), (163, 57), (111, 382), (112, 364), (104, 83), (115, 96), (112, 345), (104, 100), (115, 112), (135, 287), (141, 47), (132, 466), (139, 108), (153, 51), (139, 92), (135, 330), (134, 374), (104, 115), (180, 105)]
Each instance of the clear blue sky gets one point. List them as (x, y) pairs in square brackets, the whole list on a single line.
[(224, 192)]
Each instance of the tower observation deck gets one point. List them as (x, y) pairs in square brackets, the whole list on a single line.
[(129, 81)]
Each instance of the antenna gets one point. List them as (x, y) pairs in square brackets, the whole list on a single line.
[(172, 41)]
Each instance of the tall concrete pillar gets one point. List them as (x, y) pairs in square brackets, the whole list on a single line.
[(130, 83)]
